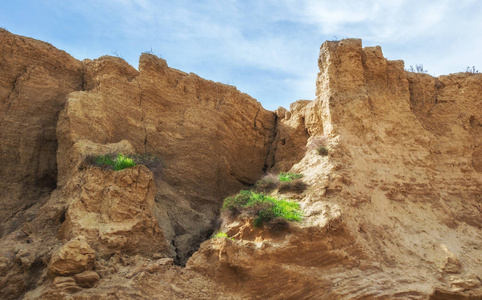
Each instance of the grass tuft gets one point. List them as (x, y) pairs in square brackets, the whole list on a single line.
[(221, 234), (297, 186), (287, 177), (123, 162), (322, 150), (284, 182), (120, 161), (266, 184), (262, 208)]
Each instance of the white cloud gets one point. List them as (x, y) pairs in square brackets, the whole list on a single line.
[(276, 38)]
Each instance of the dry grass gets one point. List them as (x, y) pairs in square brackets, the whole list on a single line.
[(319, 144), (268, 183), (296, 186)]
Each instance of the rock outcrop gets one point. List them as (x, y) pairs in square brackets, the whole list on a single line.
[(35, 80), (391, 196), (395, 206), (113, 212), (213, 139), (76, 256)]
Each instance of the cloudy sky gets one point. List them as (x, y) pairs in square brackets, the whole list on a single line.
[(267, 48)]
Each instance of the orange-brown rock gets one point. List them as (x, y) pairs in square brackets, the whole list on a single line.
[(35, 80), (402, 171), (66, 284), (74, 257), (113, 211), (392, 207), (214, 140), (289, 145), (87, 279)]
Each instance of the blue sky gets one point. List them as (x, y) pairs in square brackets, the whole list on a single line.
[(268, 49)]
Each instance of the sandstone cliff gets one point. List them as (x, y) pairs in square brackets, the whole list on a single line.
[(393, 211)]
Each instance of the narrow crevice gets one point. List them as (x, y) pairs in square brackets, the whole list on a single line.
[(182, 258), (177, 259), (256, 116), (142, 115), (269, 160), (82, 78), (8, 100)]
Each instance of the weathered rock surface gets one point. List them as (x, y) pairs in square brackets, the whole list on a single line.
[(113, 211), (87, 279), (402, 174), (35, 80), (289, 146), (392, 211), (213, 138), (74, 257)]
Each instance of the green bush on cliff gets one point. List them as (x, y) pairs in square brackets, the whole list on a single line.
[(322, 150), (221, 234), (120, 161), (287, 177), (112, 161), (123, 162), (105, 161), (264, 209)]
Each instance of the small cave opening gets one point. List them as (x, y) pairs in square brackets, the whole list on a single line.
[(185, 251), (47, 180), (62, 217)]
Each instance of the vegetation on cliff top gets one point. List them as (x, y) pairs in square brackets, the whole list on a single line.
[(118, 161), (287, 177), (264, 209), (221, 234), (284, 182)]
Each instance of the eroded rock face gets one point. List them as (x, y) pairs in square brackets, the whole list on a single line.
[(113, 211), (76, 256), (402, 171), (289, 146), (391, 210), (56, 110), (35, 80), (214, 140)]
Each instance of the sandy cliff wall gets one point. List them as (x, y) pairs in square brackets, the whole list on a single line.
[(35, 80), (393, 211), (56, 110), (213, 139)]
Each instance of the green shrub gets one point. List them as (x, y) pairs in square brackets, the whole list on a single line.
[(105, 161), (286, 177), (235, 203), (123, 162), (266, 184), (119, 161), (221, 234), (322, 150), (262, 208), (297, 186)]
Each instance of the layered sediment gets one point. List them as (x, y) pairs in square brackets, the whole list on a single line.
[(393, 210)]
